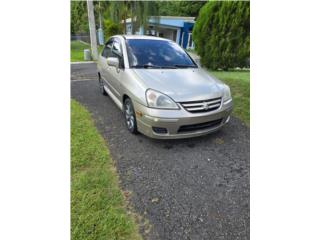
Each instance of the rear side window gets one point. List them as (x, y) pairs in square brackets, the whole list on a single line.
[(107, 49)]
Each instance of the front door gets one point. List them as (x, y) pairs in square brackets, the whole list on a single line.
[(105, 68), (116, 74)]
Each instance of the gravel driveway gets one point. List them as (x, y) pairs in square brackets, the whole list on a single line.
[(187, 189)]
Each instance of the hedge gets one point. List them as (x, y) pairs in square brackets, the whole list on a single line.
[(222, 35)]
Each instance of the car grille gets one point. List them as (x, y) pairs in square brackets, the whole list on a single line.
[(199, 126), (202, 106)]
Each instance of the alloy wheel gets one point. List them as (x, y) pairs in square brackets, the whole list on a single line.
[(129, 116)]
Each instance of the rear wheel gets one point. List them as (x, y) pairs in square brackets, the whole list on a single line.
[(101, 85), (130, 116)]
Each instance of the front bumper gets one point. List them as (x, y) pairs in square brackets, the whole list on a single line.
[(180, 123)]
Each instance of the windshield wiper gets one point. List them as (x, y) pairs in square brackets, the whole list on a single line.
[(145, 66), (185, 66), (151, 66), (171, 67)]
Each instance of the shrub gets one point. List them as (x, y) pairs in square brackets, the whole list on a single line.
[(222, 34)]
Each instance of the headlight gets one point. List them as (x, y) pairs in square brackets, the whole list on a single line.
[(159, 100), (226, 94)]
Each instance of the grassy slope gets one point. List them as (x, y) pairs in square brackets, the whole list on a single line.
[(97, 204), (77, 48), (239, 82)]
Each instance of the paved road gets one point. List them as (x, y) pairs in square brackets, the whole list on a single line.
[(187, 189), (83, 71)]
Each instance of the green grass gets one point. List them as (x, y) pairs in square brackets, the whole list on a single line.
[(97, 203), (239, 83), (77, 48)]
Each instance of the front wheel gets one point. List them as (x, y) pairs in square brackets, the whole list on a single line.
[(130, 116)]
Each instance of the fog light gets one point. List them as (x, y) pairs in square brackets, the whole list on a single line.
[(160, 130)]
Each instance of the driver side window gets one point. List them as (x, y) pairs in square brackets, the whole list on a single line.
[(117, 52)]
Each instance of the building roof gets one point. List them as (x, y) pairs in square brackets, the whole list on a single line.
[(144, 37), (179, 18)]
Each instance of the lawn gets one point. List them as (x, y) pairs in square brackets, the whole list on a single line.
[(97, 204), (77, 48), (239, 83)]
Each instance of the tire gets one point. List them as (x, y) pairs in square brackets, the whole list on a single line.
[(130, 117), (101, 85)]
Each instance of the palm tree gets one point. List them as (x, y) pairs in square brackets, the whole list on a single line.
[(119, 11), (144, 10), (139, 11)]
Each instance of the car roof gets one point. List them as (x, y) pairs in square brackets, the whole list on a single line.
[(142, 37)]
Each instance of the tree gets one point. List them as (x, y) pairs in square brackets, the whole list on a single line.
[(180, 8), (119, 11), (222, 34), (79, 17), (138, 11), (143, 11), (110, 28), (115, 12)]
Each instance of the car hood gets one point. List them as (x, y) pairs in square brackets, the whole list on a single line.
[(191, 84)]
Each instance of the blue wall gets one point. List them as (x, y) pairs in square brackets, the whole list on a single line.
[(168, 22), (186, 29)]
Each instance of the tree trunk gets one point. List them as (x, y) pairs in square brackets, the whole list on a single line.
[(132, 18), (125, 18)]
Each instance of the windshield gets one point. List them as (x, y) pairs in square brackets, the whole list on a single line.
[(146, 53)]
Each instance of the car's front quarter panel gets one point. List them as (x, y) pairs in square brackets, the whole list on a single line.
[(133, 87)]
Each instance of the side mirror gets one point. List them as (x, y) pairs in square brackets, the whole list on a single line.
[(112, 61)]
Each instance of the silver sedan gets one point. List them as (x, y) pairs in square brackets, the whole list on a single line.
[(162, 92)]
